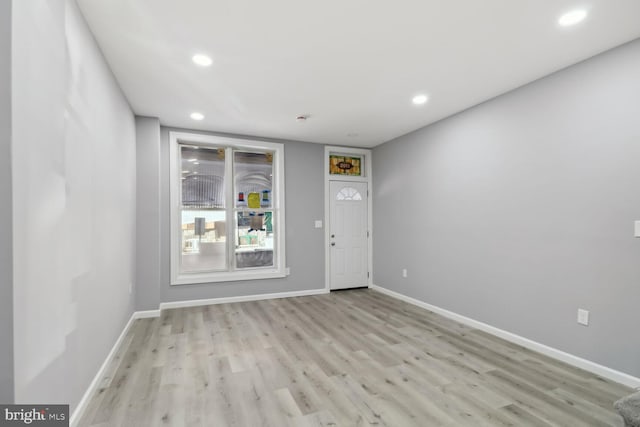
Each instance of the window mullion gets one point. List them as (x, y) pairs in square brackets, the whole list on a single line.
[(229, 204)]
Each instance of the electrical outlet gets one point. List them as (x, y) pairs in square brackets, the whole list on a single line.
[(636, 229), (404, 273), (318, 223), (287, 271), (583, 317)]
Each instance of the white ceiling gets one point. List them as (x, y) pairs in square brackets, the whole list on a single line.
[(351, 65)]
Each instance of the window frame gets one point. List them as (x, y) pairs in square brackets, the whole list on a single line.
[(278, 270)]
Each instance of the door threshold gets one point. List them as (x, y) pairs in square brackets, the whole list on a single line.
[(349, 289)]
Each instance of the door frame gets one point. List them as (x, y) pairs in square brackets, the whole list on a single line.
[(367, 170)]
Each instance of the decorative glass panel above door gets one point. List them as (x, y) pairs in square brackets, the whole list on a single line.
[(345, 165)]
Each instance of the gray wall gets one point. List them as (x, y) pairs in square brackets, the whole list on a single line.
[(74, 204), (304, 243), (6, 236), (148, 254), (519, 211)]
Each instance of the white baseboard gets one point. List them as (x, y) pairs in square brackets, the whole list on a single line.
[(199, 302), (82, 405), (587, 365), (146, 314)]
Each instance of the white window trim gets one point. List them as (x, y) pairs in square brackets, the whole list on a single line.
[(277, 203)]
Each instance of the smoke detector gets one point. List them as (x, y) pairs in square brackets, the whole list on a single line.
[(302, 118)]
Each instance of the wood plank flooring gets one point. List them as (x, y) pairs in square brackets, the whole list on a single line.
[(350, 358)]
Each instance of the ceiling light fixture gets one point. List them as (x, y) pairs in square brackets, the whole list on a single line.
[(197, 116), (420, 99), (572, 18), (202, 60)]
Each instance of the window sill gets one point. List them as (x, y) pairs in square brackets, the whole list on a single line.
[(195, 278)]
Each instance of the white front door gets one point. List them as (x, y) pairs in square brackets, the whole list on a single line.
[(348, 234)]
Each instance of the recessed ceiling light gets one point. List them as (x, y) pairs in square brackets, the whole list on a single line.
[(196, 163), (197, 116), (192, 160), (572, 18), (419, 99), (202, 60), (185, 171)]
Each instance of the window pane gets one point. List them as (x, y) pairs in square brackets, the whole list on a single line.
[(203, 240), (254, 239), (202, 177), (253, 179), (345, 165), (348, 193)]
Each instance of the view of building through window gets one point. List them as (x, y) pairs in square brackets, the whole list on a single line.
[(228, 209)]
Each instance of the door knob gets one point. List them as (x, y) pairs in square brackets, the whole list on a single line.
[(333, 235), (333, 243)]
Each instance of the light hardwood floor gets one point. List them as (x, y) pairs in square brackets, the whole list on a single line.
[(344, 359)]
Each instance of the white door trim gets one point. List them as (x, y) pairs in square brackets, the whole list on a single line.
[(327, 200)]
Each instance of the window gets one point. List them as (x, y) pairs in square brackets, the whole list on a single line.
[(350, 165), (348, 193), (227, 213)]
